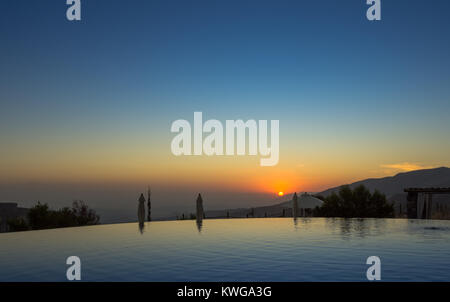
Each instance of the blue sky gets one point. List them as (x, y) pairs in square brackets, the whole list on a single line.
[(248, 54)]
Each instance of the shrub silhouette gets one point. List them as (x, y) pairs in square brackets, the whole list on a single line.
[(17, 225), (83, 215), (42, 217), (355, 203)]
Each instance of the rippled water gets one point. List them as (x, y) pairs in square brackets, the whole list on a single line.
[(270, 249)]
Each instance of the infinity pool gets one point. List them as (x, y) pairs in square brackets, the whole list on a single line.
[(270, 249)]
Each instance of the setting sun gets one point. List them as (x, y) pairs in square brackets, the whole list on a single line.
[(280, 193)]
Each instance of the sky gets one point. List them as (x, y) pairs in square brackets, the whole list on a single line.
[(86, 106)]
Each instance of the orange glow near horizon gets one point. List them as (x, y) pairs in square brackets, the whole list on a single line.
[(122, 164), (280, 193)]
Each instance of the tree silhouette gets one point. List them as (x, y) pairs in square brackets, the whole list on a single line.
[(355, 203), (42, 217)]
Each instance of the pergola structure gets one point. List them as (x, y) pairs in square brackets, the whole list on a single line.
[(413, 197)]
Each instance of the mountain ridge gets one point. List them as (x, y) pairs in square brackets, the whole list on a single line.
[(394, 185)]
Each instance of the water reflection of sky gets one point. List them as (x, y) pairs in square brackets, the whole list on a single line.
[(274, 249)]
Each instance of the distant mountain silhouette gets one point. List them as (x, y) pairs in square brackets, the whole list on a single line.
[(393, 185)]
